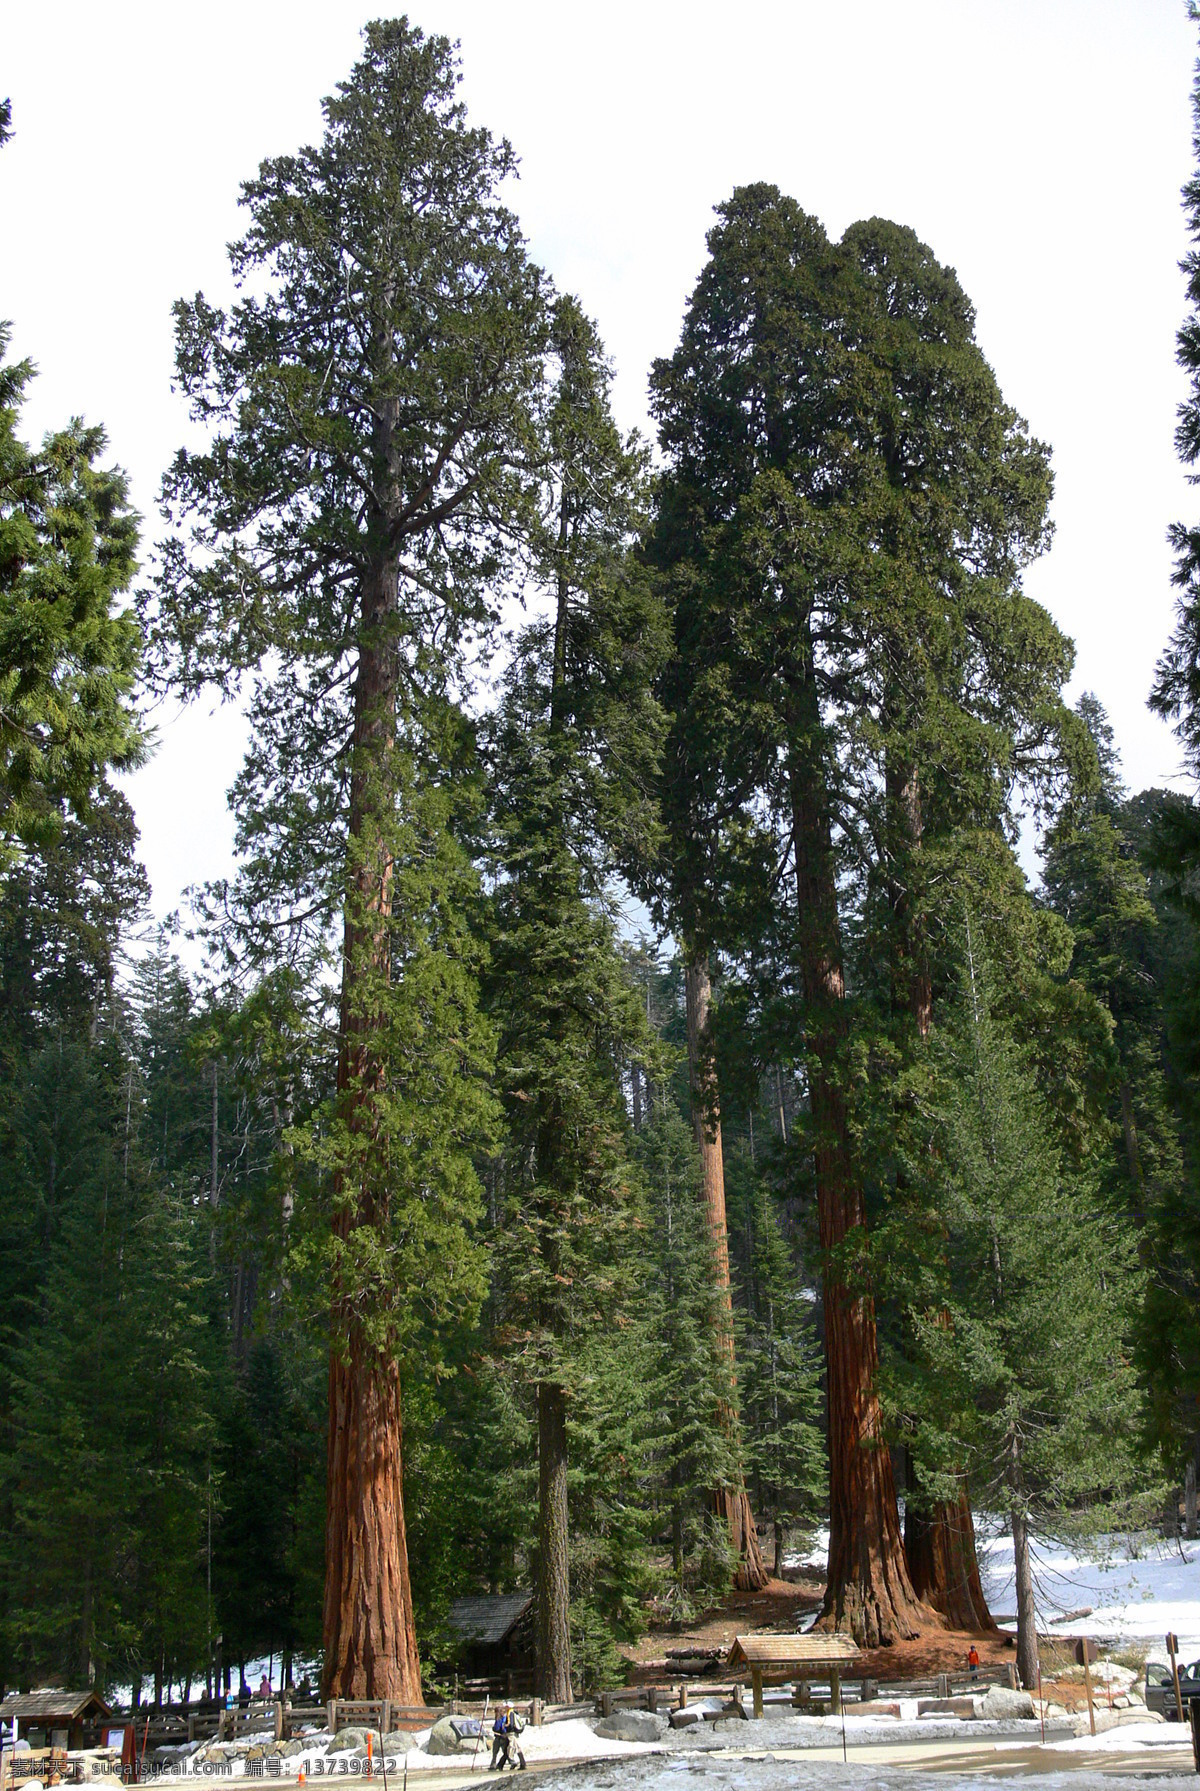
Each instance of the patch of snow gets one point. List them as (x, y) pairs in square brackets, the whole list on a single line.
[(1139, 1589), (1125, 1735)]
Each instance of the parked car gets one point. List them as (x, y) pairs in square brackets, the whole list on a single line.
[(1160, 1688)]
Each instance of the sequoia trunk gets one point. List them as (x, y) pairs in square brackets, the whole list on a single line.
[(731, 1503), (368, 1632), (554, 1577), (868, 1589), (939, 1546), (370, 1640)]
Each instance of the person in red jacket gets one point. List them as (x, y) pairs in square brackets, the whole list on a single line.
[(973, 1660)]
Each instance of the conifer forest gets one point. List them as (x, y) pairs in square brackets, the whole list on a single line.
[(700, 1048)]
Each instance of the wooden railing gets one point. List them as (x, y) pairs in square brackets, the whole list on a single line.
[(281, 1720)]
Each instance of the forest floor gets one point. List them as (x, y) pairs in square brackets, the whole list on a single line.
[(1123, 1591), (782, 1606)]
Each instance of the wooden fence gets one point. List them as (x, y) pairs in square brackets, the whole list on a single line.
[(281, 1721), (803, 1694)]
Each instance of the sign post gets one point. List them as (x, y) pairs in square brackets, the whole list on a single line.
[(1085, 1653), (1172, 1650)]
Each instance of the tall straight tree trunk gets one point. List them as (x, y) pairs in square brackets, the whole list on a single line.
[(868, 1588), (368, 1632), (553, 1652), (552, 1649), (1027, 1642), (732, 1503), (939, 1543)]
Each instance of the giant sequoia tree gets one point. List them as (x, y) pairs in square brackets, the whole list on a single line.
[(843, 526), (370, 399)]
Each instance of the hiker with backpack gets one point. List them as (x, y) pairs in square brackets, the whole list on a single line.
[(505, 1730)]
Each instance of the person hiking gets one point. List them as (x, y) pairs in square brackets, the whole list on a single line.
[(505, 1731), (973, 1660)]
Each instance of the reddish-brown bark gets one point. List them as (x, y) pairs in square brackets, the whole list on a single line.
[(939, 1546), (868, 1589), (368, 1631), (732, 1503), (370, 1639)]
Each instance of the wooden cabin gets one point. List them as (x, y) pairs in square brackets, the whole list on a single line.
[(58, 1719), (494, 1636)]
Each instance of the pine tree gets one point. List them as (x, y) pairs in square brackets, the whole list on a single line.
[(1021, 1288), (567, 1018), (689, 1375), (1095, 878), (781, 1375), (62, 908), (575, 755), (1176, 692), (68, 656)]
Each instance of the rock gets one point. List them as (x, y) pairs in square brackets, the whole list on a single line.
[(288, 1748), (347, 1739), (1105, 1719), (629, 1725), (444, 1738), (999, 1704), (684, 1719), (881, 1707), (255, 1753), (962, 1707)]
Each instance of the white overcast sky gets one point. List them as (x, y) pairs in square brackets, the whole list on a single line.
[(1038, 146)]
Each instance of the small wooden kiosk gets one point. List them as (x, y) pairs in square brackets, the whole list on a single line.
[(775, 1659)]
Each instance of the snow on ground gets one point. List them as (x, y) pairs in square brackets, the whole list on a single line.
[(663, 1773), (1138, 1587)]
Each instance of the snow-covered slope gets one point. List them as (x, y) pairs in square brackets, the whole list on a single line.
[(1139, 1588)]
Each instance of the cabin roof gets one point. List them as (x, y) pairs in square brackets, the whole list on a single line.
[(67, 1706), (488, 1620), (767, 1650)]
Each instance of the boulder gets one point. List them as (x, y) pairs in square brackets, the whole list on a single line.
[(961, 1707), (999, 1704), (346, 1740), (445, 1738), (288, 1748), (629, 1725)]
